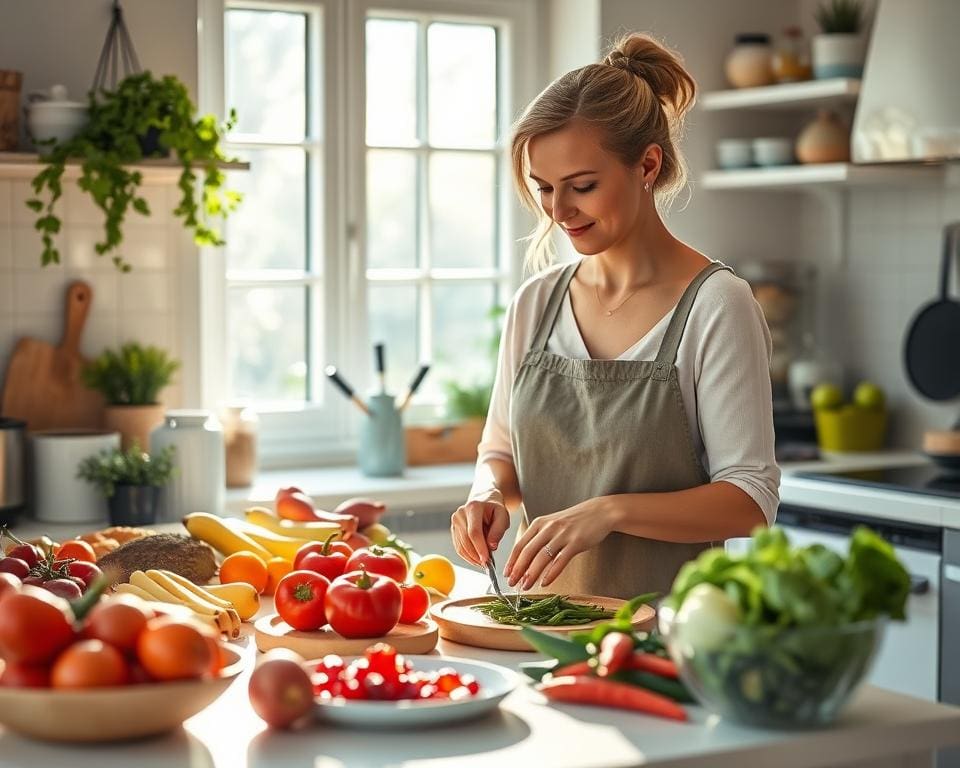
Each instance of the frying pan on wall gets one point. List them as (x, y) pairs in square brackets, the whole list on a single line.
[(932, 348)]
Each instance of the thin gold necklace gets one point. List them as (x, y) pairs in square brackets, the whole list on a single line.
[(596, 289)]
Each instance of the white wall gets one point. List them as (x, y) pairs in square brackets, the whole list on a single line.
[(59, 41)]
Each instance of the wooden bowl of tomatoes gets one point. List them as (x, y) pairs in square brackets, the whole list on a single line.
[(108, 670)]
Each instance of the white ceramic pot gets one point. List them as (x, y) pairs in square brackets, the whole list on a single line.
[(198, 482), (58, 120), (772, 151), (59, 495), (838, 56), (734, 153)]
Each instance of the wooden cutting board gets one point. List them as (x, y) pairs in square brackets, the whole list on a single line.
[(43, 385), (460, 623), (273, 632)]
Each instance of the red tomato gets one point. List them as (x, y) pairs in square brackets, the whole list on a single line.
[(330, 566), (361, 604), (386, 562), (9, 583), (89, 664), (25, 676), (416, 603), (83, 570), (357, 541), (14, 565), (63, 587), (30, 554), (118, 621), (325, 548), (35, 625), (300, 600), (280, 690), (76, 550)]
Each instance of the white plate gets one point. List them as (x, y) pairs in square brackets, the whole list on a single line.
[(495, 683)]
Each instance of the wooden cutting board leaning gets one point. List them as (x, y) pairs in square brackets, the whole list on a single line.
[(43, 385)]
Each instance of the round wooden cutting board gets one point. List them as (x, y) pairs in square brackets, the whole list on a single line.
[(460, 623), (273, 632)]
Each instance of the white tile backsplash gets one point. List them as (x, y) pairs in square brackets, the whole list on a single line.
[(137, 306)]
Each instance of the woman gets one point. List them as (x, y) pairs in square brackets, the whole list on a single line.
[(631, 419)]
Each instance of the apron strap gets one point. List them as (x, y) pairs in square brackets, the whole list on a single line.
[(552, 311), (667, 355)]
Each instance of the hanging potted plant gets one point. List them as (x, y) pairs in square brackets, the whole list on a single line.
[(130, 480), (840, 49), (142, 117), (130, 381)]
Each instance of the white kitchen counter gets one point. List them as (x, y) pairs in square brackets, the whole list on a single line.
[(878, 729)]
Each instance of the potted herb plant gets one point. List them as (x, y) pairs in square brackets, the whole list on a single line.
[(130, 379), (840, 49), (130, 480), (142, 117)]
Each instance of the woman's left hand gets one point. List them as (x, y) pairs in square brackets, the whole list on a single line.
[(551, 541)]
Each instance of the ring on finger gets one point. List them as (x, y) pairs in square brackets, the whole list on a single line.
[(550, 553)]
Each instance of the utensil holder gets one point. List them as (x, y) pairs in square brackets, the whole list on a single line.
[(382, 447), (850, 429)]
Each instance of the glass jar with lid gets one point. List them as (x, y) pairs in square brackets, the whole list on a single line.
[(198, 482)]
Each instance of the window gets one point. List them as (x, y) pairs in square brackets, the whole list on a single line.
[(377, 208)]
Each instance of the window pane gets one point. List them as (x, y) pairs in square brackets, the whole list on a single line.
[(266, 347), (268, 230), (462, 333), (391, 82), (393, 320), (462, 85), (391, 209), (266, 72), (462, 220)]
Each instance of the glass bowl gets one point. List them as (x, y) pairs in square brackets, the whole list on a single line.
[(774, 677)]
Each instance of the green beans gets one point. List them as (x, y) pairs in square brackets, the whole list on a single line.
[(553, 610)]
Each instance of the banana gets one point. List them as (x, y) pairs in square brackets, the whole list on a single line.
[(156, 592), (224, 622), (310, 531), (279, 546), (228, 618), (199, 591), (243, 597), (131, 589), (215, 531)]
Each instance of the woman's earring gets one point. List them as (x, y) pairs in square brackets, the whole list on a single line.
[(646, 187)]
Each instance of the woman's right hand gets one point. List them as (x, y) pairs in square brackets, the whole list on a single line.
[(477, 527)]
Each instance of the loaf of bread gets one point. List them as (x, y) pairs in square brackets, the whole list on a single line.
[(184, 555)]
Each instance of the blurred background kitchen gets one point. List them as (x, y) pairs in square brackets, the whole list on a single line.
[(370, 148)]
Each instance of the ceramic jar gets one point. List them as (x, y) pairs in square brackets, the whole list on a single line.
[(240, 428), (749, 63), (59, 495), (198, 480), (133, 422), (837, 55), (383, 451), (825, 140)]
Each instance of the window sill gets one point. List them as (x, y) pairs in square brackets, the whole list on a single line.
[(427, 487)]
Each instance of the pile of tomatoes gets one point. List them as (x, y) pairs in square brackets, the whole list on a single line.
[(381, 674), (46, 641), (68, 574), (359, 593)]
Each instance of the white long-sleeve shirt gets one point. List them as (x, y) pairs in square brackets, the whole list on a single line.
[(722, 364)]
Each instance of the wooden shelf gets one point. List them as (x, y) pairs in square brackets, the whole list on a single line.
[(786, 96), (828, 174), (26, 165)]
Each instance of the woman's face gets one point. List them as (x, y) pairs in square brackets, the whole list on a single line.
[(590, 193)]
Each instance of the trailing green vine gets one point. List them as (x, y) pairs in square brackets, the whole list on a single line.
[(122, 124)]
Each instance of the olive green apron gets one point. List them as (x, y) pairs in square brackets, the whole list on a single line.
[(587, 428)]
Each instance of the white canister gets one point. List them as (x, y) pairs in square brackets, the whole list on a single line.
[(59, 495), (198, 483)]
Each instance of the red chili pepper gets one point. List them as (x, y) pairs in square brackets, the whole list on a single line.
[(582, 689), (615, 650), (577, 668), (648, 662)]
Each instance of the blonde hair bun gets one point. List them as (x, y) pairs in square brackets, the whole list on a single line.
[(659, 67)]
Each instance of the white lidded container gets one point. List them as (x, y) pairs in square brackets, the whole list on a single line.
[(59, 495), (54, 116), (198, 482)]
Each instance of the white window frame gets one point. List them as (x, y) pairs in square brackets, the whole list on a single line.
[(326, 434)]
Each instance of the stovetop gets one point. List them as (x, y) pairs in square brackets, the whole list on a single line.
[(926, 479)]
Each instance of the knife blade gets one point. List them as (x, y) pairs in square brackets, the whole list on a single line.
[(492, 573)]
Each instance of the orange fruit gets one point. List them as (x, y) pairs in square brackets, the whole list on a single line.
[(277, 568), (174, 650), (246, 567)]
